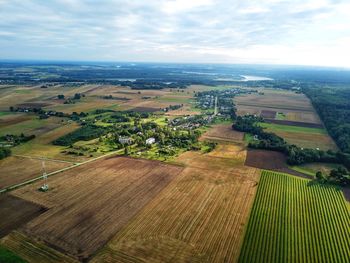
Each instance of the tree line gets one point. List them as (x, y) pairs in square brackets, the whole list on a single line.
[(295, 155), (333, 106)]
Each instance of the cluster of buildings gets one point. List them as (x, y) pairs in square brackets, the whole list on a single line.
[(128, 140)]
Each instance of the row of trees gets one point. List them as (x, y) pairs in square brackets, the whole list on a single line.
[(84, 133), (16, 139)]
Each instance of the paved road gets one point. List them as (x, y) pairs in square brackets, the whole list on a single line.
[(12, 187)]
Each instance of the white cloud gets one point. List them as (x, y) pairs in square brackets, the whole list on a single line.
[(177, 6), (251, 31)]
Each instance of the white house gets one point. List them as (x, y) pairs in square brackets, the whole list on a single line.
[(150, 140), (125, 140)]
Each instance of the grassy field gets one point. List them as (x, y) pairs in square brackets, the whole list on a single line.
[(295, 220), (289, 128), (302, 136), (6, 256), (312, 168)]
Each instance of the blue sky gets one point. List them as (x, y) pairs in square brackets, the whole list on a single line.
[(304, 32)]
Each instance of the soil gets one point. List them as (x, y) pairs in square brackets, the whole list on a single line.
[(16, 212)]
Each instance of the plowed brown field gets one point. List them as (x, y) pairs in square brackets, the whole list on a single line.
[(91, 203)]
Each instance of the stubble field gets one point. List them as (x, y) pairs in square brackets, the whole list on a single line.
[(15, 169), (198, 217), (89, 204), (293, 106)]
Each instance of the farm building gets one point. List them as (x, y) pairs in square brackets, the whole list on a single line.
[(125, 140), (150, 140)]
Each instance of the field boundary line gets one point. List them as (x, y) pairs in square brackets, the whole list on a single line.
[(44, 159), (275, 107)]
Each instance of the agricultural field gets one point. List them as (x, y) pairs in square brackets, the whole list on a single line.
[(98, 197), (295, 220), (312, 168), (306, 137), (223, 132), (17, 169), (271, 160), (193, 194), (32, 250), (198, 217), (18, 212), (277, 104)]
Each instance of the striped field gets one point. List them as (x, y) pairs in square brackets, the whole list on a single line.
[(296, 220)]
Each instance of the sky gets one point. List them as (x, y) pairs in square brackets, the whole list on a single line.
[(292, 32)]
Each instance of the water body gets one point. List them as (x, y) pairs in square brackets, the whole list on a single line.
[(253, 78)]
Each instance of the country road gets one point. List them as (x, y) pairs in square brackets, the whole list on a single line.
[(216, 106), (12, 187)]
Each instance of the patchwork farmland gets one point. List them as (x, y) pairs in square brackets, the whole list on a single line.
[(273, 103), (196, 193), (295, 220)]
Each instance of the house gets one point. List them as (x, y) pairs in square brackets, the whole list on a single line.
[(150, 140), (125, 140)]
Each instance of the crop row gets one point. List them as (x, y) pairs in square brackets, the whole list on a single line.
[(296, 220)]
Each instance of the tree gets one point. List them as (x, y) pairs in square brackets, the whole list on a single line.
[(77, 96), (12, 108), (126, 150), (320, 177), (4, 152), (60, 97)]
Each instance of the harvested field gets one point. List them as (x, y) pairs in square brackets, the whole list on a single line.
[(12, 119), (296, 123), (126, 92), (270, 160), (86, 104), (32, 125), (223, 132), (91, 203), (277, 99), (295, 107), (217, 161), (18, 212), (199, 217), (268, 114), (183, 111), (15, 170), (32, 105), (145, 109)]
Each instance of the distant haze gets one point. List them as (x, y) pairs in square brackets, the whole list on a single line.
[(294, 32)]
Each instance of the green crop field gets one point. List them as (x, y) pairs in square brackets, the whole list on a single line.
[(296, 220)]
